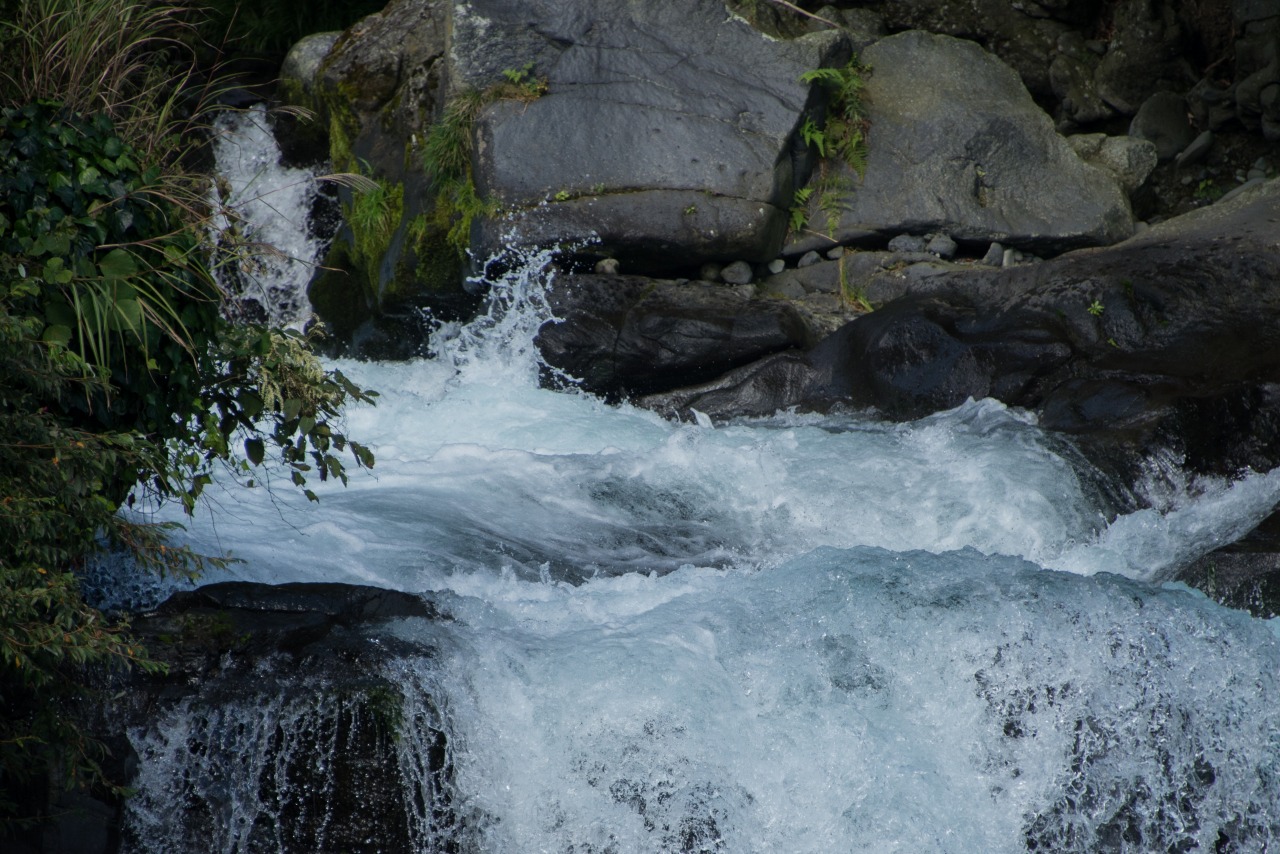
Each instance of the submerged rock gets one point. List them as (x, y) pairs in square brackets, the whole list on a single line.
[(281, 723)]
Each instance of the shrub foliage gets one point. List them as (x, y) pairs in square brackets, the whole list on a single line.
[(121, 378)]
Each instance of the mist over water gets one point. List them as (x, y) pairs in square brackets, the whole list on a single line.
[(800, 633)]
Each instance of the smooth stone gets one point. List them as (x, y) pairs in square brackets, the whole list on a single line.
[(835, 254), (994, 256), (776, 266), (1197, 150), (942, 246), (907, 243), (737, 273), (808, 259)]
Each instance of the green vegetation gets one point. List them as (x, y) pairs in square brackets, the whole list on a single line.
[(842, 137), (1096, 308), (374, 215), (447, 153), (121, 380), (845, 129)]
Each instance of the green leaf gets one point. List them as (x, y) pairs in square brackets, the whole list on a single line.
[(291, 409), (118, 264), (57, 334), (254, 450)]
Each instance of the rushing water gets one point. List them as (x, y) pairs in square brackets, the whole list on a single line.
[(797, 633)]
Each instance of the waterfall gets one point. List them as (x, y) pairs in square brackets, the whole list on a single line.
[(801, 633), (264, 220)]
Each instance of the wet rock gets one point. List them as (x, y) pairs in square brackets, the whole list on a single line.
[(994, 256), (294, 686), (631, 334)]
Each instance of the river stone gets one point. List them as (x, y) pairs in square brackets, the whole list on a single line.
[(958, 146), (302, 63), (737, 273), (686, 150), (1129, 159), (1144, 54)]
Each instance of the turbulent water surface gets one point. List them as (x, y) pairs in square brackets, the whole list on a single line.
[(798, 633)]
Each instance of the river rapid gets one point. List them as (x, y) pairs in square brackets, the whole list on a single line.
[(801, 633)]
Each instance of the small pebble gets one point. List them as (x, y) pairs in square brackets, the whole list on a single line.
[(994, 256), (808, 259), (1011, 257), (835, 254), (607, 267), (777, 265)]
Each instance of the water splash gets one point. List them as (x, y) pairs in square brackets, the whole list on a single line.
[(263, 221)]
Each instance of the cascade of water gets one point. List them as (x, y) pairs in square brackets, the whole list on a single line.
[(265, 209), (801, 633)]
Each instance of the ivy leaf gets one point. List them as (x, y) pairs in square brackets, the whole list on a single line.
[(118, 264)]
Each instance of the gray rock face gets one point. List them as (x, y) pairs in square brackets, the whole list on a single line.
[(652, 111), (958, 146)]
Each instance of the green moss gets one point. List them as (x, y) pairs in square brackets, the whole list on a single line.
[(447, 152), (339, 294), (373, 216)]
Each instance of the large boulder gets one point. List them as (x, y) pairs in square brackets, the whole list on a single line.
[(1162, 338), (667, 132), (957, 145)]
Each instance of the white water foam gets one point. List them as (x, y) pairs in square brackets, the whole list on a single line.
[(265, 207)]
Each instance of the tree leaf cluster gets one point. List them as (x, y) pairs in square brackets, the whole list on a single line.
[(121, 379)]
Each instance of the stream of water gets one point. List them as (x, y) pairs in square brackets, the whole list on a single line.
[(791, 634)]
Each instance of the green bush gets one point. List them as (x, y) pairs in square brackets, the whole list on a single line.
[(120, 377)]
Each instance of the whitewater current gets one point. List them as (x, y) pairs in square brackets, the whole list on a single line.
[(799, 633)]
